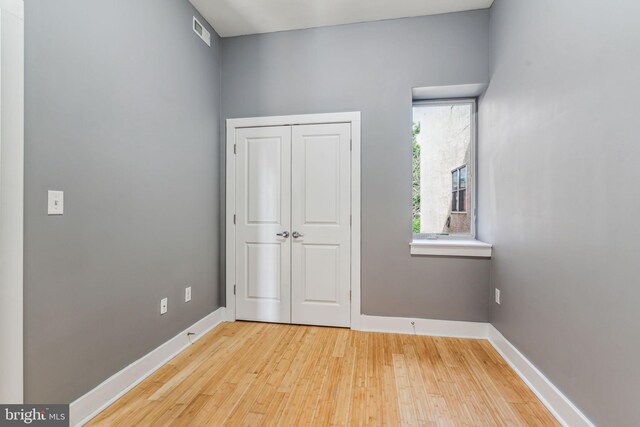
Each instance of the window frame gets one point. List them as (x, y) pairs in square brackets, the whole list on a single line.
[(472, 167)]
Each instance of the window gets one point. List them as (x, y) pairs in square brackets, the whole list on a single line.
[(459, 190), (443, 168)]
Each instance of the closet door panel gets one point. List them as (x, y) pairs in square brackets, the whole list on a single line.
[(320, 224), (263, 214)]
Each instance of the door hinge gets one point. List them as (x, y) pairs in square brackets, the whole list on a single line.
[(235, 148), (351, 145), (234, 289), (349, 295), (234, 219), (350, 219)]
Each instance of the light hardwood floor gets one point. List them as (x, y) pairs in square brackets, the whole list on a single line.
[(267, 374)]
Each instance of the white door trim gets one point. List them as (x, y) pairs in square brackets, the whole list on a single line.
[(15, 7), (11, 200), (307, 119)]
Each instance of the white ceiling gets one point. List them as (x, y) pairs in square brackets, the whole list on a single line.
[(239, 17)]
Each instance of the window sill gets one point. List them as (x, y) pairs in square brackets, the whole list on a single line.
[(449, 247)]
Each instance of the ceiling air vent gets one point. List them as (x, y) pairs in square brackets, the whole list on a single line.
[(202, 32)]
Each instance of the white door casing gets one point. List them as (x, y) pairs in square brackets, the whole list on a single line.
[(351, 121), (320, 215), (263, 210), (11, 200)]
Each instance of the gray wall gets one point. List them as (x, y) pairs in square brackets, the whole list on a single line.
[(122, 113), (559, 153), (371, 68)]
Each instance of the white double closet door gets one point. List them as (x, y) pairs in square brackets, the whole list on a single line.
[(293, 231)]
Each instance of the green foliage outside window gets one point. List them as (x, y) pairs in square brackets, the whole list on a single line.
[(415, 202)]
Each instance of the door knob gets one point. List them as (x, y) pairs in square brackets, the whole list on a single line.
[(284, 234), (295, 235)]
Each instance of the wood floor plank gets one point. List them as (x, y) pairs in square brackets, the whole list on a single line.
[(258, 374), (262, 368)]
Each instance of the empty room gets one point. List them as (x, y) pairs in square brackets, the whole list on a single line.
[(319, 212)]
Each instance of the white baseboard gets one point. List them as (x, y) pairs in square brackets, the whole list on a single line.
[(441, 328), (96, 400), (557, 403), (89, 405)]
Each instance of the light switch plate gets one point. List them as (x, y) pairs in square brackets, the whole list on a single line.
[(163, 305), (187, 294), (498, 296), (55, 203)]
